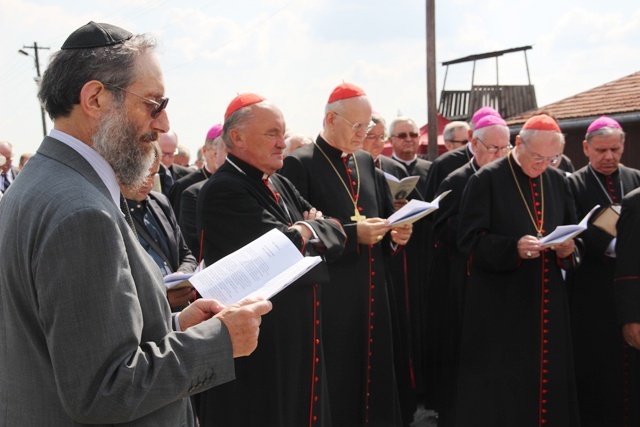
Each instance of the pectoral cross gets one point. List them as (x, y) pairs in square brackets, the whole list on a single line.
[(357, 217)]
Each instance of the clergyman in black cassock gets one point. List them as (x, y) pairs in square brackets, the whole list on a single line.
[(448, 270), (627, 295), (516, 362), (283, 384), (340, 181), (601, 356)]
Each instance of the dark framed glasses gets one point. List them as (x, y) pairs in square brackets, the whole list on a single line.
[(158, 106), (404, 135)]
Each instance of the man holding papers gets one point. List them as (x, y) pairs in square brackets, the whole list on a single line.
[(283, 384), (87, 336), (600, 352), (340, 179), (516, 363)]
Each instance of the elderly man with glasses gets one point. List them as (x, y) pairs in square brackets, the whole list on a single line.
[(516, 361), (88, 336), (458, 157), (340, 179), (490, 142)]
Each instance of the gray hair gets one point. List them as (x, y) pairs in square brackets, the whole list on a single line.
[(479, 133), (527, 134), (605, 131), (238, 120), (451, 127), (378, 119), (401, 119), (70, 69)]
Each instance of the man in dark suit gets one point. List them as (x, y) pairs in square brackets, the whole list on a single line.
[(159, 234), (7, 172), (88, 336), (169, 172)]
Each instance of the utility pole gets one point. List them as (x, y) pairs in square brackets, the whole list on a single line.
[(432, 110), (36, 48)]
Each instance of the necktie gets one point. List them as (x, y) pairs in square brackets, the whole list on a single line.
[(125, 210), (5, 182)]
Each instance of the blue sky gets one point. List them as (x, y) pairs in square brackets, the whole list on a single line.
[(295, 51)]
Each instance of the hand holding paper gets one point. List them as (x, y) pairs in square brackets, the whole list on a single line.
[(566, 232), (414, 210), (260, 269)]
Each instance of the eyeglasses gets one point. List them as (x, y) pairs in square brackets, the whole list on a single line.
[(493, 149), (159, 106), (458, 141), (373, 137), (357, 127), (404, 135), (538, 160)]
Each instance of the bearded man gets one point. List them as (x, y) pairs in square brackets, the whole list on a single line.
[(88, 335)]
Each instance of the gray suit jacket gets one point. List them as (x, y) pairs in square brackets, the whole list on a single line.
[(86, 331)]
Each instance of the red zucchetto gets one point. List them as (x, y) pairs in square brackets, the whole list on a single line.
[(344, 91), (241, 101), (541, 122)]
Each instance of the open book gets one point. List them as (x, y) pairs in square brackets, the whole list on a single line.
[(415, 210), (400, 188), (566, 232), (262, 268)]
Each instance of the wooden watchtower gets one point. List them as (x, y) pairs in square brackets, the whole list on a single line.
[(508, 100)]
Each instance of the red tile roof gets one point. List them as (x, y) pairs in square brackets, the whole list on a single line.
[(618, 96)]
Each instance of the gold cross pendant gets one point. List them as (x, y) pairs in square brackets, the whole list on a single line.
[(357, 217)]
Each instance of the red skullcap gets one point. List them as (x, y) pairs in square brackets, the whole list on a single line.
[(344, 91), (241, 101), (541, 122)]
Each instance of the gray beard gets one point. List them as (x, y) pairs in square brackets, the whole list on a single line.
[(116, 141)]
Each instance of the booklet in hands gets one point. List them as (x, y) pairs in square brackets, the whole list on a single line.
[(400, 188), (566, 232), (414, 210), (262, 268)]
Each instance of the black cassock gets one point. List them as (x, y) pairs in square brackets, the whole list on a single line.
[(443, 166), (448, 278), (599, 350), (282, 383), (516, 362), (627, 291), (356, 312)]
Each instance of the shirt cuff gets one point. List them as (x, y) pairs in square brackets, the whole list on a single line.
[(176, 322), (611, 249), (315, 238)]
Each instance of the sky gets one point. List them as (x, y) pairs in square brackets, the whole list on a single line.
[(295, 52)]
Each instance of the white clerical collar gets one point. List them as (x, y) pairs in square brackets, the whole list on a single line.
[(469, 145), (97, 162), (406, 162)]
